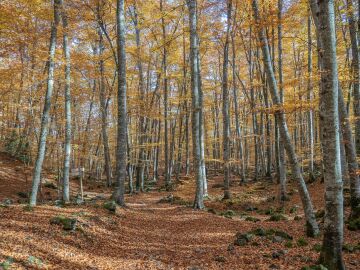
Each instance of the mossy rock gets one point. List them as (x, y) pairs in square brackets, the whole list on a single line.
[(228, 214), (354, 224), (242, 239), (69, 224), (283, 234), (50, 185), (5, 265), (277, 217), (301, 242), (110, 205), (252, 219), (259, 232)]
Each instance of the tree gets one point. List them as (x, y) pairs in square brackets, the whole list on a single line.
[(331, 255), (67, 146), (311, 224), (47, 105), (121, 150), (226, 107), (196, 104)]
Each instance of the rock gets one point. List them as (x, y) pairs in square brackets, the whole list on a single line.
[(278, 239), (277, 217), (50, 185), (283, 234), (212, 211), (259, 232), (252, 219), (110, 205), (228, 213), (79, 200), (278, 254), (250, 208), (231, 248), (220, 258), (8, 202), (242, 239), (69, 224)]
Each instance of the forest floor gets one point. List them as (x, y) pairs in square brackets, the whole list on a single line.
[(158, 229)]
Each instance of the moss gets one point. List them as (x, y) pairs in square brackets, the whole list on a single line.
[(283, 234), (252, 219), (50, 185), (110, 205), (277, 217), (259, 232), (301, 242), (269, 211), (69, 224), (289, 244), (293, 209), (228, 213)]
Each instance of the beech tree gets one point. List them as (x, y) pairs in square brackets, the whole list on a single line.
[(331, 254), (47, 105), (121, 150)]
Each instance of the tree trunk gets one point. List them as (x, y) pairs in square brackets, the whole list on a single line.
[(282, 164), (196, 109), (226, 108), (312, 226), (331, 255), (67, 150), (47, 105), (121, 157)]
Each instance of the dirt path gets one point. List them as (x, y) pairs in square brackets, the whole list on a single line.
[(146, 235)]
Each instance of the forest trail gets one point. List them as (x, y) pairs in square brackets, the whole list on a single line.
[(148, 234)]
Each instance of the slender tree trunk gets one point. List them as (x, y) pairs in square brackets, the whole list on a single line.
[(196, 109), (355, 72), (121, 157), (104, 114), (310, 98), (67, 150), (226, 107), (47, 105), (312, 226), (282, 162)]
